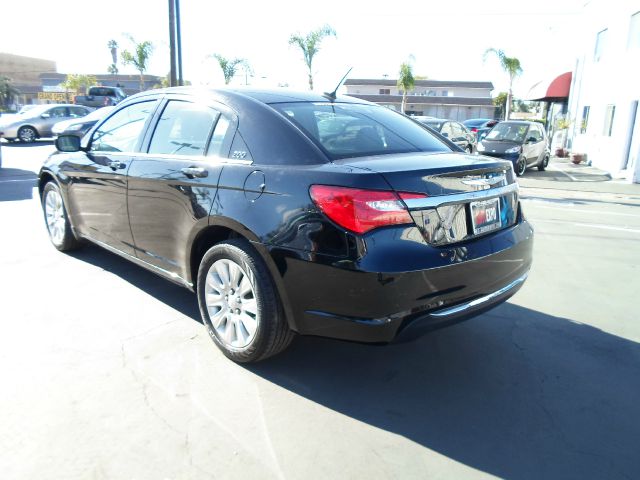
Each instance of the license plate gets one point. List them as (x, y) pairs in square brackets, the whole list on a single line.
[(485, 215)]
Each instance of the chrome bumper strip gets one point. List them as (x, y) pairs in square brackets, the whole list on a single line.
[(433, 202), (478, 301)]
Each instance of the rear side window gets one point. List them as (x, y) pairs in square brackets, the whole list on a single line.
[(120, 133), (183, 129), (345, 130)]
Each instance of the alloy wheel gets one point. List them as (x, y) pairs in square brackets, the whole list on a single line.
[(27, 135), (54, 213), (521, 166), (231, 303)]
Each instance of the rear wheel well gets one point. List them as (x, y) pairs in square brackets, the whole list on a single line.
[(203, 242)]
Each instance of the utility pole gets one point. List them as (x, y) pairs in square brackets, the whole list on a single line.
[(172, 44), (179, 43)]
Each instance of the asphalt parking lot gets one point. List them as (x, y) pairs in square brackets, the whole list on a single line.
[(108, 374)]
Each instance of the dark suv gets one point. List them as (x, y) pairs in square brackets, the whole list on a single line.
[(292, 213)]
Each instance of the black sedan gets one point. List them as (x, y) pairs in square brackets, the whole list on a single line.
[(453, 131), (292, 213)]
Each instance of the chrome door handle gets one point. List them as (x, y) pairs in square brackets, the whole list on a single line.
[(192, 172), (117, 165)]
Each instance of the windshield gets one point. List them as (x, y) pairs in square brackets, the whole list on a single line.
[(508, 132), (98, 114), (346, 130)]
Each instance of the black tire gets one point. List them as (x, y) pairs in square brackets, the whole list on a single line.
[(27, 134), (63, 239), (542, 166), (521, 166), (272, 334)]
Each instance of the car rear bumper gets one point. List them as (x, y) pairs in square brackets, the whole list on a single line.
[(356, 303)]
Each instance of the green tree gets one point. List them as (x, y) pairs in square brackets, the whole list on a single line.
[(229, 66), (7, 91), (113, 48), (406, 82), (511, 66), (78, 83), (139, 58), (310, 45), (500, 103)]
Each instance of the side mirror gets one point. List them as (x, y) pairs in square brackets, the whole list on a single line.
[(68, 143), (532, 140)]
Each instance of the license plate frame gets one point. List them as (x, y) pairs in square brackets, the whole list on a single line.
[(482, 209)]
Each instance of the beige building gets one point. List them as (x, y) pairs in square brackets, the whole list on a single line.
[(455, 100), (24, 73)]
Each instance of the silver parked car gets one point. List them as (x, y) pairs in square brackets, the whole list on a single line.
[(80, 126), (38, 121)]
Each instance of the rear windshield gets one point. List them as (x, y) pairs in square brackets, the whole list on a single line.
[(346, 130), (102, 92)]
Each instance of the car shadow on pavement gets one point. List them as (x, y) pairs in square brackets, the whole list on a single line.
[(514, 393), (175, 296), (16, 184)]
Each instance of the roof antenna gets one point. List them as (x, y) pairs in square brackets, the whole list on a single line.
[(332, 96)]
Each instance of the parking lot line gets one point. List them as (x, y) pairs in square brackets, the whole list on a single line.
[(580, 210), (591, 225)]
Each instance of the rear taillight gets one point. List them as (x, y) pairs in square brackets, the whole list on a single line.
[(362, 210)]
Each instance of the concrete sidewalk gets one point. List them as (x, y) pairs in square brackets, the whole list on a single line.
[(561, 174)]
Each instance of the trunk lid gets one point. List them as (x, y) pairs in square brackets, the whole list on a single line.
[(467, 196)]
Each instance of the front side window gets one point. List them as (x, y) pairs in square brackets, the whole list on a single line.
[(183, 129), (121, 132), (346, 130), (77, 112), (58, 112)]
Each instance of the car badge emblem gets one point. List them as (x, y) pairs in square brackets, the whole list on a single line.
[(483, 182)]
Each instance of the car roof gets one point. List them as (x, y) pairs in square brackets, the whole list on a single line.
[(266, 96)]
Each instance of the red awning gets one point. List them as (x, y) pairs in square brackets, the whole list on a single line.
[(556, 90)]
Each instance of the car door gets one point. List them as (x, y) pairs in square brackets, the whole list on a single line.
[(459, 138), (98, 177), (533, 143), (172, 185), (49, 118)]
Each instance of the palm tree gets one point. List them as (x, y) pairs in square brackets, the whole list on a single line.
[(511, 65), (310, 45), (406, 82), (140, 58), (229, 66), (7, 91), (113, 47), (78, 83)]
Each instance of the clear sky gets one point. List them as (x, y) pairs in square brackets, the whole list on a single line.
[(446, 39)]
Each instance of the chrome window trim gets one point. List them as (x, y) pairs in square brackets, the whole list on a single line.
[(440, 200)]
